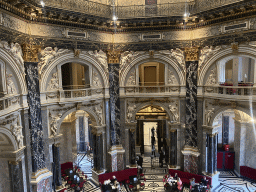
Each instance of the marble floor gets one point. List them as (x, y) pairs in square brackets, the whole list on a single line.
[(229, 182)]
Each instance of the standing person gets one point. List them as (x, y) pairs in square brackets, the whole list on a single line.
[(153, 151), (161, 157)]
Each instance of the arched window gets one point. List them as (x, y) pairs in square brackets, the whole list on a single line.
[(75, 76), (151, 74)]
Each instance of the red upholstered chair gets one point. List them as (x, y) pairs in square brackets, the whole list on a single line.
[(142, 186), (131, 187), (127, 181), (69, 182), (73, 185), (145, 179)]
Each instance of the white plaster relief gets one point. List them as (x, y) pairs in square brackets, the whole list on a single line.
[(176, 54), (205, 54), (11, 88), (171, 78), (128, 56), (54, 82), (131, 79), (174, 109), (130, 111), (17, 132), (47, 55), (99, 112), (100, 55), (96, 82), (54, 123), (212, 79), (15, 50)]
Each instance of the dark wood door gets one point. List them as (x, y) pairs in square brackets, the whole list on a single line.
[(220, 160), (229, 160)]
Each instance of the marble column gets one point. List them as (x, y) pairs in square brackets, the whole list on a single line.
[(190, 150), (116, 151), (41, 176), (57, 168), (16, 176), (173, 146), (210, 153), (132, 146), (225, 130)]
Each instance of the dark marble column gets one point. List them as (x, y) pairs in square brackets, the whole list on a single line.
[(97, 138), (35, 120), (57, 167), (116, 152), (210, 154), (173, 146), (132, 146), (215, 153), (191, 151), (16, 176), (81, 134)]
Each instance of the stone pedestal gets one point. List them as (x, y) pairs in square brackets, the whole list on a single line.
[(191, 159), (41, 180), (16, 176), (117, 158)]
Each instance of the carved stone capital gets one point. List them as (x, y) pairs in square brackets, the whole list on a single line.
[(14, 162), (192, 54), (113, 56), (98, 130), (30, 52)]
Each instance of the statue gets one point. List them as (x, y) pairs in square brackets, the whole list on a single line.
[(208, 115), (174, 110), (11, 89), (98, 110), (54, 124), (54, 82), (130, 111), (17, 132)]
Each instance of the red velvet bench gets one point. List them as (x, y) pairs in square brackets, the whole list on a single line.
[(64, 166), (248, 172), (120, 175), (185, 176)]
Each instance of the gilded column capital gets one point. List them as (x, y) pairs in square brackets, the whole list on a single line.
[(192, 54), (14, 162), (30, 52), (113, 56)]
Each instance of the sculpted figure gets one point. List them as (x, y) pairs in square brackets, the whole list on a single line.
[(208, 115), (174, 110), (17, 132), (11, 89), (54, 124), (130, 111)]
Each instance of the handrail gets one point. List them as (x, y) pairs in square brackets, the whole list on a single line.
[(8, 101), (167, 89), (230, 90)]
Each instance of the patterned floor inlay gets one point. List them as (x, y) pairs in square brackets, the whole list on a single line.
[(229, 182)]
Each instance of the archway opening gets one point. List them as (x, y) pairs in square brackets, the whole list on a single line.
[(151, 135), (75, 76), (76, 143), (236, 140)]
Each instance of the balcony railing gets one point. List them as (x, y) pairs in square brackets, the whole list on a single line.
[(135, 11), (231, 90), (7, 102), (74, 94), (162, 89)]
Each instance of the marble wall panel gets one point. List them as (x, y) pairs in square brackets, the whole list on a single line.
[(250, 146), (46, 141), (5, 181), (66, 143), (200, 130)]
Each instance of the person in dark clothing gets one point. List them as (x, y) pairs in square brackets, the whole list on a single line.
[(161, 158), (204, 181)]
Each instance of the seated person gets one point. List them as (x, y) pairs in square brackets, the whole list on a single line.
[(169, 178), (192, 182), (176, 176), (204, 181), (179, 184), (113, 179)]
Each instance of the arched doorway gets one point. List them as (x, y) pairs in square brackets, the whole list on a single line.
[(236, 140), (151, 134), (76, 143)]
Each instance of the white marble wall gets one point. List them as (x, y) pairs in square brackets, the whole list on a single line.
[(4, 176), (250, 146), (66, 143)]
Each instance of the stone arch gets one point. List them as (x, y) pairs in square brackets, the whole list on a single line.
[(222, 109), (17, 69), (158, 57), (228, 53), (9, 136), (92, 115), (142, 105), (69, 58)]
